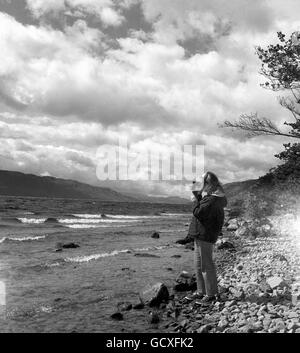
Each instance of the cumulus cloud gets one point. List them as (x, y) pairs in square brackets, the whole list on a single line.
[(103, 9), (66, 91)]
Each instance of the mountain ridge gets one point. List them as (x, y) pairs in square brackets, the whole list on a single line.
[(14, 183)]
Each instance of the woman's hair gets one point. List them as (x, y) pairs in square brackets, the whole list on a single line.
[(211, 183)]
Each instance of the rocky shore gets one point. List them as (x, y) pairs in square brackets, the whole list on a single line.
[(256, 285), (259, 281)]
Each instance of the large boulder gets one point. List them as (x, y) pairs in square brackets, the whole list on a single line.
[(154, 295)]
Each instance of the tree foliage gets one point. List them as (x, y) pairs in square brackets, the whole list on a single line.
[(280, 65), (281, 68)]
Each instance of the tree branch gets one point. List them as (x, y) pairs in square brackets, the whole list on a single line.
[(257, 126)]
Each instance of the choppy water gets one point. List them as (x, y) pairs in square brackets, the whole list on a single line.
[(77, 289)]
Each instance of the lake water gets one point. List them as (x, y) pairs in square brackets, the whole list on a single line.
[(43, 290)]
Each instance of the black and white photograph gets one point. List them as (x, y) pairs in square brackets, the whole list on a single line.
[(150, 169)]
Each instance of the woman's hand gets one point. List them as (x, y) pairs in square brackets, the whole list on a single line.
[(196, 187)]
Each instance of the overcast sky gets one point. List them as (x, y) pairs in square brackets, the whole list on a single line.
[(76, 74)]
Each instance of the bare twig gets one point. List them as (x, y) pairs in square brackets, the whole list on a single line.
[(257, 126)]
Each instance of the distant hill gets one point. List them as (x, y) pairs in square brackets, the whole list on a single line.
[(234, 191), (253, 198), (159, 199), (20, 184), (237, 190)]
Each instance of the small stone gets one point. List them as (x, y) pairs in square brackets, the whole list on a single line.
[(155, 235), (291, 326), (204, 328), (225, 311), (272, 330), (183, 323), (124, 306), (230, 303), (154, 318), (70, 246), (139, 306), (138, 254), (293, 315), (295, 298), (223, 323), (236, 311), (280, 325), (226, 245), (189, 246), (247, 329), (275, 282), (117, 316), (183, 274), (233, 225), (243, 231), (266, 322)]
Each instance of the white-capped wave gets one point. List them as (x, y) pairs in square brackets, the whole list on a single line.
[(87, 258), (30, 238), (82, 226), (92, 221), (130, 217), (176, 214), (148, 216), (86, 215), (86, 226), (107, 216), (32, 220)]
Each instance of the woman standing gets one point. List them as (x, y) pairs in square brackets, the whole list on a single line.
[(205, 227)]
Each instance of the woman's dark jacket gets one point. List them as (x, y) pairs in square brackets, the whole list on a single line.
[(208, 211)]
